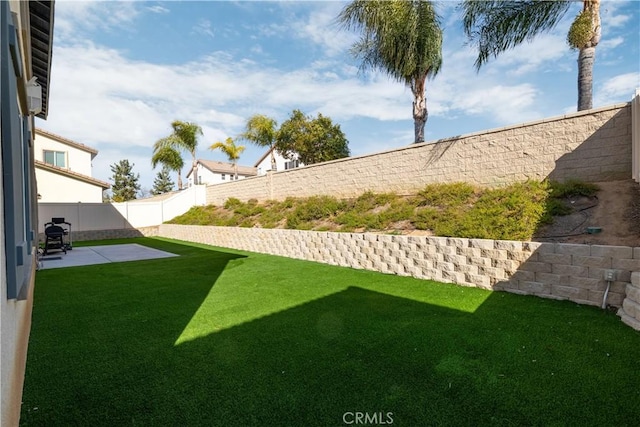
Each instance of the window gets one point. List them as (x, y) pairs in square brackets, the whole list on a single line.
[(200, 180), (223, 177), (55, 158), (292, 164)]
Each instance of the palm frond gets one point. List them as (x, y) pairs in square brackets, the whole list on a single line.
[(402, 38), (229, 148), (167, 156), (260, 130), (495, 26), (187, 135)]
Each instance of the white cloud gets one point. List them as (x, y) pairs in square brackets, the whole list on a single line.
[(621, 86), (158, 9), (322, 29), (544, 53), (611, 17), (203, 27), (76, 18), (610, 43)]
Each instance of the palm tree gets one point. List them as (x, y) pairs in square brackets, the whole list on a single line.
[(169, 157), (184, 137), (402, 38), (496, 26), (232, 151), (261, 131)]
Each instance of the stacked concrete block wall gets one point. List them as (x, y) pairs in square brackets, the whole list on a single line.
[(549, 270), (630, 310), (593, 146)]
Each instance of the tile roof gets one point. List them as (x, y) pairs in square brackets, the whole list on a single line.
[(224, 167), (66, 141)]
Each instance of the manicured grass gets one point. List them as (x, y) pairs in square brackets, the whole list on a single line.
[(218, 337)]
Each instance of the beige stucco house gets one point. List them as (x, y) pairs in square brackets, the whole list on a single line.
[(63, 170), (26, 37), (263, 165), (214, 172)]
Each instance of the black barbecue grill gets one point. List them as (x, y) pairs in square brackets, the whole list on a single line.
[(57, 236)]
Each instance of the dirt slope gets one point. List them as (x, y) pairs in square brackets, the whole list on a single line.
[(616, 209)]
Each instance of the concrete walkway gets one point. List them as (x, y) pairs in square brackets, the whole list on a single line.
[(89, 255)]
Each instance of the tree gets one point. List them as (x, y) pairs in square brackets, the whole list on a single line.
[(311, 140), (261, 131), (184, 137), (401, 38), (125, 182), (162, 183), (232, 151), (496, 26), (169, 157)]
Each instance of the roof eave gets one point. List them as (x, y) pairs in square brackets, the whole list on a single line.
[(41, 18)]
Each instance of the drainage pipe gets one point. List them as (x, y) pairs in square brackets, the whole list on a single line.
[(604, 299)]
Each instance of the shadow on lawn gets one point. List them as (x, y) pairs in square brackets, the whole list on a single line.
[(356, 350)]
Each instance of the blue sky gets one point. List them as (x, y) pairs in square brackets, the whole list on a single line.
[(122, 71)]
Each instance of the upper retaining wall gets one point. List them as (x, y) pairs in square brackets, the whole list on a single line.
[(592, 145)]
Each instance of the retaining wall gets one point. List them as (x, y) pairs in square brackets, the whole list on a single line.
[(630, 310), (550, 270), (593, 145)]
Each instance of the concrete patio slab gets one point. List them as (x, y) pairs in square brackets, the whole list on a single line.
[(90, 255)]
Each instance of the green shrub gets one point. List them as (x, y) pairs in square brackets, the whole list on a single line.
[(510, 213), (572, 188), (457, 210), (454, 194), (555, 207), (232, 203), (369, 201), (315, 208)]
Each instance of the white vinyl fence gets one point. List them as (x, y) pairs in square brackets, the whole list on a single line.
[(127, 215)]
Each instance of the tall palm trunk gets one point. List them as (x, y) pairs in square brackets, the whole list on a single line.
[(194, 169), (587, 57), (274, 165), (420, 113), (180, 179)]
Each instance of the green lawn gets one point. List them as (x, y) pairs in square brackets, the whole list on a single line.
[(218, 337)]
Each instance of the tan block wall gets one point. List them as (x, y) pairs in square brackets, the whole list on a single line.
[(549, 270), (593, 146), (630, 310), (116, 233)]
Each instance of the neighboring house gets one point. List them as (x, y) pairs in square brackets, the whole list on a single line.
[(26, 36), (213, 172), (263, 165), (63, 170)]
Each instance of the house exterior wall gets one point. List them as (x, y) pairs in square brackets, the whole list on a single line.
[(77, 160), (593, 145), (18, 212), (265, 165), (57, 188)]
